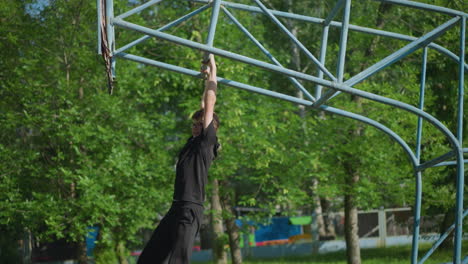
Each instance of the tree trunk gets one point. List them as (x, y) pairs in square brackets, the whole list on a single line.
[(353, 252), (81, 253), (328, 219), (206, 233), (232, 229), (219, 254), (318, 211), (350, 202), (120, 251), (449, 219)]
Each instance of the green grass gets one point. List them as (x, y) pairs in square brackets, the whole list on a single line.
[(389, 255)]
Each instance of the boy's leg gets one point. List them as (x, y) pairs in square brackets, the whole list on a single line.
[(159, 246), (187, 226)]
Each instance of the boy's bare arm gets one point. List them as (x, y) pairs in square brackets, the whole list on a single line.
[(209, 95)]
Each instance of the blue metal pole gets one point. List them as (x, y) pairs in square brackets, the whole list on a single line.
[(449, 163), (417, 218), (197, 74), (435, 161), (295, 40), (138, 9), (323, 54), (164, 28), (440, 240), (341, 53), (422, 89), (425, 7), (99, 21), (389, 60), (266, 52), (334, 11), (460, 167), (338, 24), (213, 23), (418, 200), (403, 52), (343, 42)]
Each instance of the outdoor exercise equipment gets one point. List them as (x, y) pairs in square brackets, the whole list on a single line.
[(335, 84)]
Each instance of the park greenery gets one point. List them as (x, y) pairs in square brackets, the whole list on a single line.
[(73, 156)]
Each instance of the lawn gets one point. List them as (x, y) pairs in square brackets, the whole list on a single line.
[(389, 255)]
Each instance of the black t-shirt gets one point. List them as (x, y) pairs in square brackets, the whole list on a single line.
[(192, 167)]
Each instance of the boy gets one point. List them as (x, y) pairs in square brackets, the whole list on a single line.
[(173, 239)]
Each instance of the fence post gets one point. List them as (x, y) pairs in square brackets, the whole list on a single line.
[(382, 227)]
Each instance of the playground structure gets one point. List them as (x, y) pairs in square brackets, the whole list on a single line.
[(334, 84)]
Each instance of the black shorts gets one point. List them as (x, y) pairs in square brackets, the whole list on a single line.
[(173, 239)]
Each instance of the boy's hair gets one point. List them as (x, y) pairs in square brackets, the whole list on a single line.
[(199, 115)]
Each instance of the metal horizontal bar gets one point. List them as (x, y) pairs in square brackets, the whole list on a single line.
[(338, 6), (440, 240), (292, 99), (166, 27), (299, 75), (427, 7), (403, 52), (295, 40), (265, 51), (465, 260), (138, 9), (465, 150), (435, 161), (449, 163), (315, 20), (223, 53), (220, 80)]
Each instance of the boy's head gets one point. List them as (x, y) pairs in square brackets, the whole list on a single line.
[(197, 122)]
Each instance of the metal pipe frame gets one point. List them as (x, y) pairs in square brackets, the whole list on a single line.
[(440, 240), (346, 87), (296, 83), (341, 87), (335, 10), (434, 162), (295, 40), (284, 97), (323, 54), (341, 52), (426, 7), (394, 57), (163, 28), (213, 23), (138, 9), (343, 42), (418, 178), (460, 184), (449, 163), (315, 20)]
